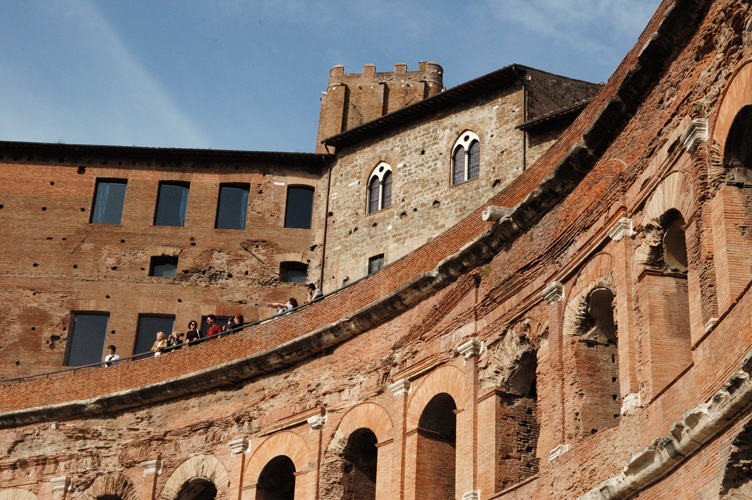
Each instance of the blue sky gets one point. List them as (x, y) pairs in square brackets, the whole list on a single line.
[(248, 74)]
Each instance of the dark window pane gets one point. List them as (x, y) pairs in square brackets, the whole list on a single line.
[(299, 211), (386, 197), (148, 326), (473, 169), (171, 205), (293, 272), (232, 207), (375, 263), (108, 202), (87, 338), (218, 320), (373, 195), (458, 165), (166, 267)]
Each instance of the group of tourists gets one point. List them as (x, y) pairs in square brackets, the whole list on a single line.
[(194, 335)]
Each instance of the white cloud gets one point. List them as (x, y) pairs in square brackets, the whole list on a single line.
[(100, 93)]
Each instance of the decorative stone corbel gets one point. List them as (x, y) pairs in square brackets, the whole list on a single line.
[(471, 495), (696, 133), (622, 228), (238, 446), (557, 452), (152, 467), (471, 349), (496, 213), (62, 483), (317, 422), (400, 387), (553, 292)]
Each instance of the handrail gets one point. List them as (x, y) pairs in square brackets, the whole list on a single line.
[(232, 331)]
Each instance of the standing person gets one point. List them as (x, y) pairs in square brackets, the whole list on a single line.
[(111, 359), (212, 328), (194, 334), (234, 322), (313, 293), (160, 345)]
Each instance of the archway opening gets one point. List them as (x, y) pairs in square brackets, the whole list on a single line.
[(277, 480), (359, 467), (597, 362), (674, 242), (436, 449), (195, 489)]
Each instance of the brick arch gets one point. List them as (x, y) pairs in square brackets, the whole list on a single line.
[(674, 192), (291, 257), (200, 466), (370, 416), (285, 443), (597, 273), (448, 379), (17, 494), (110, 484), (737, 95)]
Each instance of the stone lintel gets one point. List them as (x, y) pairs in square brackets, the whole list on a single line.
[(317, 422), (238, 446), (471, 495), (152, 467), (558, 451), (696, 133), (62, 483), (622, 228), (471, 349), (553, 292), (496, 213), (400, 387)]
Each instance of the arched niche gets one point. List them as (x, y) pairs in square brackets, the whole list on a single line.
[(193, 476), (446, 379), (111, 486), (286, 443)]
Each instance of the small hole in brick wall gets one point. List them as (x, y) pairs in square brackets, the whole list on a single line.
[(613, 379), (114, 268), (229, 275), (496, 183), (48, 238), (436, 203), (1, 206), (593, 431), (415, 209), (64, 239), (246, 273), (112, 332), (614, 396), (83, 209), (35, 264), (616, 415), (75, 266), (64, 328), (18, 363), (422, 151), (260, 191), (180, 300), (529, 411), (403, 214), (106, 296), (44, 209), (613, 358), (52, 183), (375, 224), (143, 269), (185, 271), (355, 229), (122, 241), (81, 170), (193, 243), (33, 328)]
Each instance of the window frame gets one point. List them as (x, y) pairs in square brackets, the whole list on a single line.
[(72, 334), (466, 140), (379, 174), (305, 187), (108, 180), (284, 269), (233, 185), (148, 353), (184, 212), (152, 263), (380, 258)]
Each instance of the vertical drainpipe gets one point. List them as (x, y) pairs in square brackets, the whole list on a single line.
[(326, 221), (521, 78)]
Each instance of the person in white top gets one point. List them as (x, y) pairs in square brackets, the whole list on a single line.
[(111, 359)]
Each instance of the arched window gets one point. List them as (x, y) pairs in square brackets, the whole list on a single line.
[(466, 158), (277, 480), (380, 188)]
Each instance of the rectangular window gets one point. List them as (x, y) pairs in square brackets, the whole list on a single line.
[(218, 320), (109, 197), (172, 203), (163, 266), (148, 326), (299, 209), (86, 342), (232, 207), (293, 272), (375, 263)]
